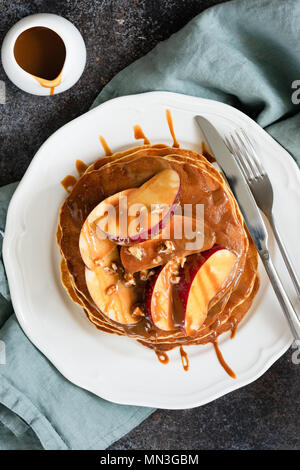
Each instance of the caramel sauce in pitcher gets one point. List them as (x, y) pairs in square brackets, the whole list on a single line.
[(41, 52)]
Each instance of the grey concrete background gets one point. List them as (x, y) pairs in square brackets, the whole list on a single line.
[(263, 415)]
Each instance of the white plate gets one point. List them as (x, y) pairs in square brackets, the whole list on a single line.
[(116, 368)]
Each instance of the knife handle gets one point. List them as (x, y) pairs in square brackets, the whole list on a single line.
[(282, 297)]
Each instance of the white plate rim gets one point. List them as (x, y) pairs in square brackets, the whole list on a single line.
[(267, 356)]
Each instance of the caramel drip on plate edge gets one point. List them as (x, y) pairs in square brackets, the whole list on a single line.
[(139, 134), (68, 183), (162, 357), (222, 361), (80, 167), (171, 127), (184, 359), (105, 146)]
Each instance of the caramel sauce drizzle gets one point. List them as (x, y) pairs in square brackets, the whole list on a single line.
[(206, 153), (139, 134), (233, 331), (222, 361), (68, 183), (171, 127), (162, 357), (80, 167), (184, 359), (105, 146)]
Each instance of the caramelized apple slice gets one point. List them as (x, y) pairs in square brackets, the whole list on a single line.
[(201, 278), (174, 240), (109, 292), (159, 303), (93, 243), (148, 210)]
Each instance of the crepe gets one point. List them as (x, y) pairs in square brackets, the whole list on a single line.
[(201, 183)]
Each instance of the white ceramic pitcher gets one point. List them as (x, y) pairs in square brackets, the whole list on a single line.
[(75, 58)]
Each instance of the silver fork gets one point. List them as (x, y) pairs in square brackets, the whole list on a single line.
[(242, 147)]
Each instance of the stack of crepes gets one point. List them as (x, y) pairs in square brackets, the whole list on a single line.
[(200, 183)]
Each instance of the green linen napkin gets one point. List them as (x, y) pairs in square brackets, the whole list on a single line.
[(244, 53)]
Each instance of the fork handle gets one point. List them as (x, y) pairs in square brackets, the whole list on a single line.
[(285, 255), (284, 301)]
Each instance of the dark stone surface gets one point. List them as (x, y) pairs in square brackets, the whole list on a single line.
[(263, 415)]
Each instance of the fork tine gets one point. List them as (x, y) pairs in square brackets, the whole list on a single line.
[(248, 158), (253, 153), (239, 157)]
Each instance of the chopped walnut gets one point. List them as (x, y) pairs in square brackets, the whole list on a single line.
[(146, 274), (137, 311), (111, 289), (157, 260), (167, 247), (129, 280), (136, 251), (114, 267)]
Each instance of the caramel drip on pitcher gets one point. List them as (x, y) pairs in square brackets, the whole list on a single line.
[(139, 134), (105, 146), (222, 361), (171, 127)]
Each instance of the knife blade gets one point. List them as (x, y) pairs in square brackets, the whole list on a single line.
[(237, 183), (251, 214)]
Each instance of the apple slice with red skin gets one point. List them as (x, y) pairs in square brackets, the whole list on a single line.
[(93, 243), (201, 278), (109, 292), (143, 220), (187, 301), (169, 243), (158, 296)]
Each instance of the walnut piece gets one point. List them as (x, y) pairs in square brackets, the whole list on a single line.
[(129, 280), (146, 274), (136, 251), (167, 247)]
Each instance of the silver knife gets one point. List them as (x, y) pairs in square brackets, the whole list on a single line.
[(251, 214)]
